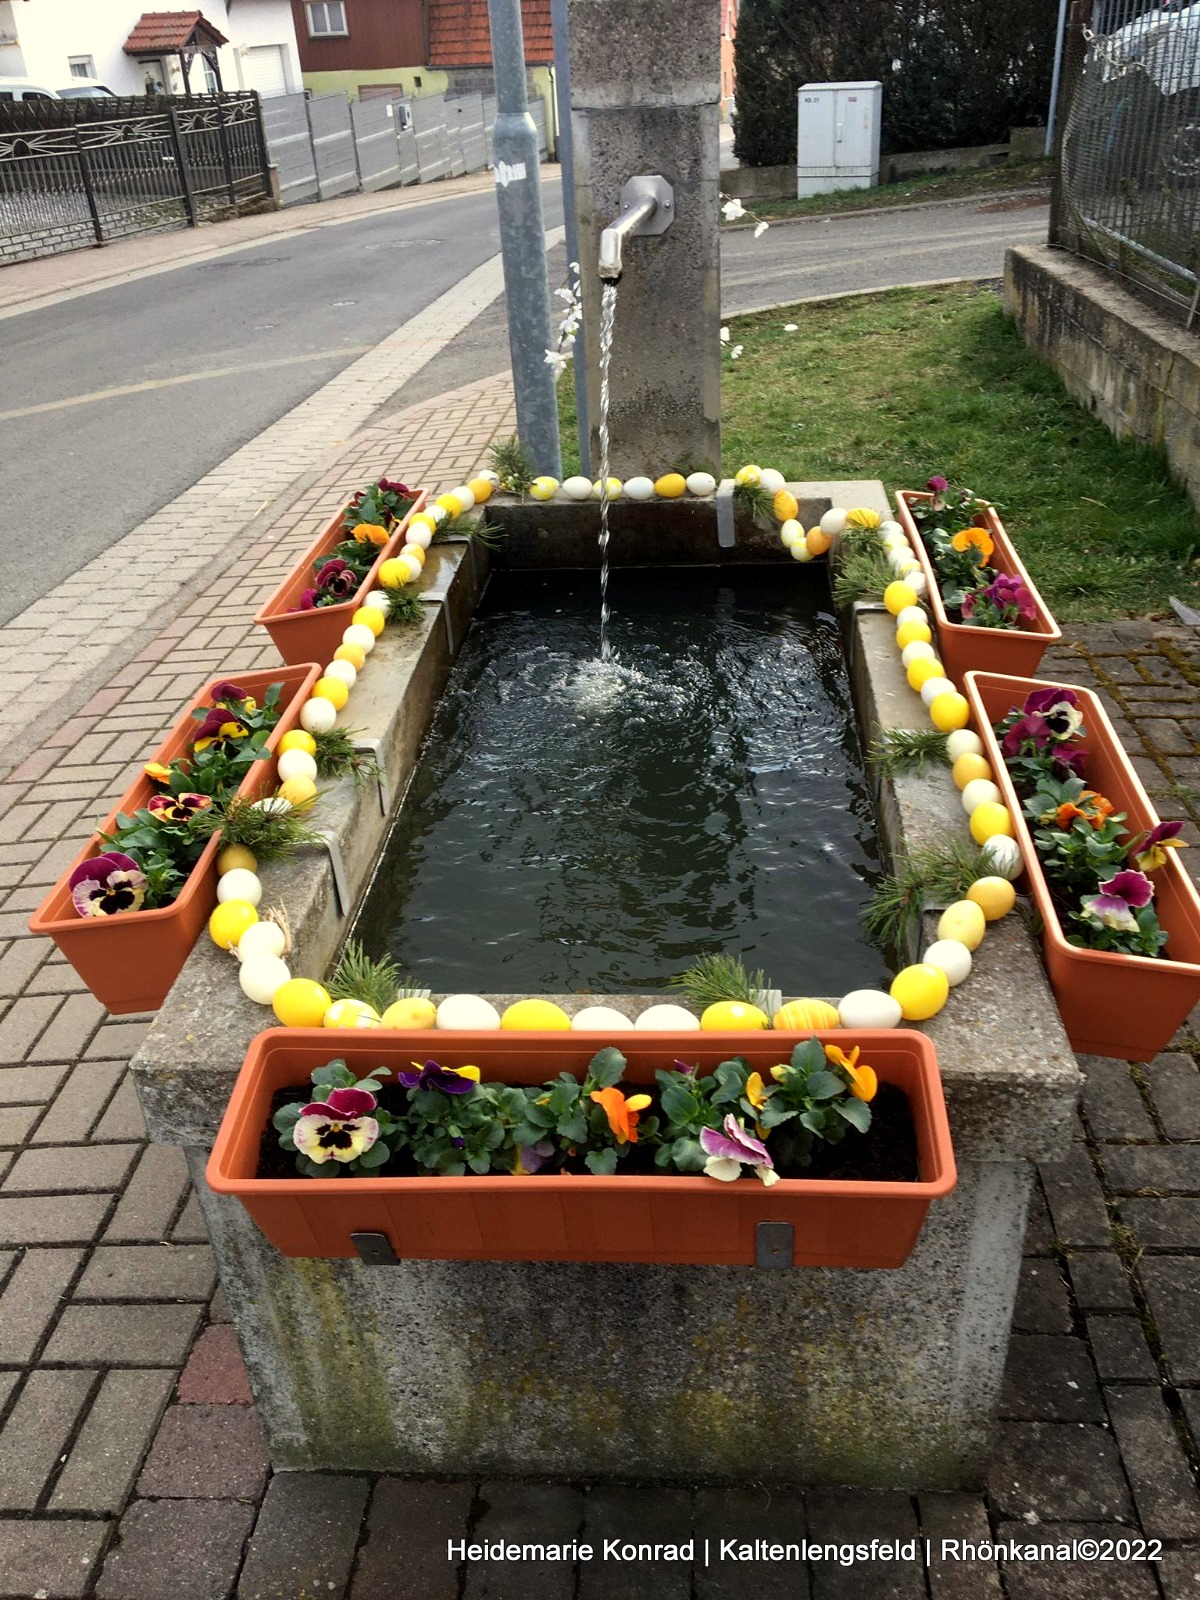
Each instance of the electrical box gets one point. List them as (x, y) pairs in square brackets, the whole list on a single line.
[(837, 136)]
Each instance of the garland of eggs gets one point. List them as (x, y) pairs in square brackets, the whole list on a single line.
[(917, 992)]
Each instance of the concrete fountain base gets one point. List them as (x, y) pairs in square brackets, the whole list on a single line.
[(885, 1378)]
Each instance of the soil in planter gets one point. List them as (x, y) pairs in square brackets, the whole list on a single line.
[(886, 1154)]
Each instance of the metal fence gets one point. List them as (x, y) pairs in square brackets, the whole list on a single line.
[(67, 183), (1127, 191)]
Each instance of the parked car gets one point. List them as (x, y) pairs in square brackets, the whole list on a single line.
[(86, 89), (77, 89)]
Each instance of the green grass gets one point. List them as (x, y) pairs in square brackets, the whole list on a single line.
[(912, 382), (983, 181)]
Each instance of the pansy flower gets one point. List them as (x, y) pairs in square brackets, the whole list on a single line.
[(864, 1084), (178, 807), (1059, 709), (338, 1128), (389, 487), (218, 728), (936, 485), (974, 538), (1123, 894), (622, 1112), (1072, 762), (532, 1157), (107, 884), (450, 1080), (308, 600), (1026, 730), (1153, 850), (338, 578), (1095, 808), (756, 1091), (227, 693), (371, 533), (156, 772), (731, 1147)]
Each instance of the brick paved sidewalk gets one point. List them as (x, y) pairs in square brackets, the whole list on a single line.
[(131, 1463)]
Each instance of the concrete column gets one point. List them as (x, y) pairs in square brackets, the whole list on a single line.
[(645, 98)]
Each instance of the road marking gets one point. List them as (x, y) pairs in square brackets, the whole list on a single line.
[(751, 272), (122, 389)]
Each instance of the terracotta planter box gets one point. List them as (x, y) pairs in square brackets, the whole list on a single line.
[(314, 635), (129, 962), (961, 647), (690, 1220), (1111, 1004)]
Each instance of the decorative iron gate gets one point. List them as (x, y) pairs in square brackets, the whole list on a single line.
[(90, 180), (1128, 185)]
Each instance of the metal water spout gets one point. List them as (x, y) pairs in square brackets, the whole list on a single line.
[(647, 207)]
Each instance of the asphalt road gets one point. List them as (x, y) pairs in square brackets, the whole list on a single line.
[(206, 356)]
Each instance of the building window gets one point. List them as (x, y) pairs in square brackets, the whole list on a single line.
[(326, 19), (82, 66), (211, 86)]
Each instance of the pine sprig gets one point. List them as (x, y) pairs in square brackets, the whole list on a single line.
[(511, 464), (938, 873), (862, 574), (753, 501), (268, 835), (338, 757), (720, 977), (377, 980), (477, 529), (908, 749), (405, 605)]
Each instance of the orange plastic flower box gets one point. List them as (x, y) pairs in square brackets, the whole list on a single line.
[(561, 1217), (130, 961), (1112, 1004), (314, 635), (961, 647)]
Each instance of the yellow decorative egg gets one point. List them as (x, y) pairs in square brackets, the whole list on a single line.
[(791, 533), (726, 1014), (996, 896), (394, 574), (357, 659), (234, 856), (921, 990), (747, 477), (451, 504), (613, 488), (350, 1014), (950, 711), (229, 922), (413, 552), (818, 541), (969, 767), (899, 596), (990, 819), (482, 488), (335, 690), (411, 1013), (422, 519), (670, 486), (964, 742), (802, 1015), (368, 617), (909, 632), (297, 739), (964, 923), (922, 669), (301, 1003), (541, 1016), (298, 792), (544, 488), (785, 505)]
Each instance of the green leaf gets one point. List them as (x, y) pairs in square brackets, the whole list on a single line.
[(574, 1128), (602, 1162), (809, 1056), (376, 1156), (856, 1112), (687, 1155), (287, 1117), (679, 1104), (823, 1085), (607, 1067)]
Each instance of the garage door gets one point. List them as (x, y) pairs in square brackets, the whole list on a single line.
[(263, 69)]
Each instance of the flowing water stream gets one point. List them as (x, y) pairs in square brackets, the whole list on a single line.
[(608, 318)]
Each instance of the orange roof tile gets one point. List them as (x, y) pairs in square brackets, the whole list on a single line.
[(159, 31), (459, 35)]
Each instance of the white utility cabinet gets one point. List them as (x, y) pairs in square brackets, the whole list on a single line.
[(837, 136)]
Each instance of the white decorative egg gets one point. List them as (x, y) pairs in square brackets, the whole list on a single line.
[(702, 484), (599, 1019), (492, 477), (262, 977), (952, 957), (869, 1008), (792, 532), (297, 763), (639, 488), (888, 527), (470, 1011), (466, 495), (239, 884), (380, 599), (319, 716), (274, 804), (577, 488), (1003, 856), (358, 633), (772, 480), (800, 550), (910, 614), (834, 520), (667, 1018), (262, 938), (916, 579), (896, 559), (439, 513), (418, 533), (963, 742), (980, 792), (918, 650), (346, 671), (895, 541), (932, 687)]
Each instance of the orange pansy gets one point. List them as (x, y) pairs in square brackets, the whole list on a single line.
[(863, 1082), (980, 538), (622, 1112)]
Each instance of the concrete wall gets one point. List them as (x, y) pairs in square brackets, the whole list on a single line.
[(1138, 371), (962, 158)]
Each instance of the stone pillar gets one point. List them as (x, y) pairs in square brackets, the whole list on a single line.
[(645, 98)]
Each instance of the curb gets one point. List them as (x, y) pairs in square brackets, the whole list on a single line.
[(886, 211), (859, 294)]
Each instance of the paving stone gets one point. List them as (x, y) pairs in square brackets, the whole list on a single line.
[(215, 1373), (190, 1228), (1175, 1090), (117, 1040), (72, 1027), (1050, 1579), (206, 1453), (16, 1123), (53, 1219), (748, 1515), (1164, 1489), (1076, 1200), (37, 1429), (31, 1301), (152, 1197), (49, 1558), (612, 1512), (305, 1537), (23, 1022), (148, 1272), (509, 1511), (405, 1554), (1112, 1101), (1042, 1305), (218, 1307), (18, 964), (30, 1085), (123, 1118), (1172, 1285), (1169, 1224), (104, 1460), (1100, 1282), (79, 1103), (176, 1550), (1179, 1573), (1173, 1168), (1059, 1472), (1039, 1229), (123, 1336), (1050, 1379), (62, 1168), (836, 1517), (1120, 1351), (949, 1521)]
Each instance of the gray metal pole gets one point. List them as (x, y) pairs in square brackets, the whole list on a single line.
[(566, 159), (523, 242), (1058, 55)]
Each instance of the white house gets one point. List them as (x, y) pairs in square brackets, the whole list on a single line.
[(249, 44)]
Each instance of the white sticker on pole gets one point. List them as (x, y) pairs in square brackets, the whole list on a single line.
[(506, 174)]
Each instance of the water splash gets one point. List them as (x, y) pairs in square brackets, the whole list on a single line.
[(608, 318)]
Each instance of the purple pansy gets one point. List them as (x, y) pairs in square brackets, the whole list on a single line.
[(337, 1128), (682, 1066), (1073, 762), (308, 600), (229, 693), (937, 485), (1123, 894), (1007, 596), (730, 1148), (178, 807), (1152, 851), (1026, 730), (1059, 708), (432, 1076), (107, 884), (532, 1157), (343, 1103)]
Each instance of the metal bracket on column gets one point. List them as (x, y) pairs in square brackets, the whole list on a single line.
[(341, 885), (438, 600), (374, 1249), (774, 1244), (726, 527), (374, 749)]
